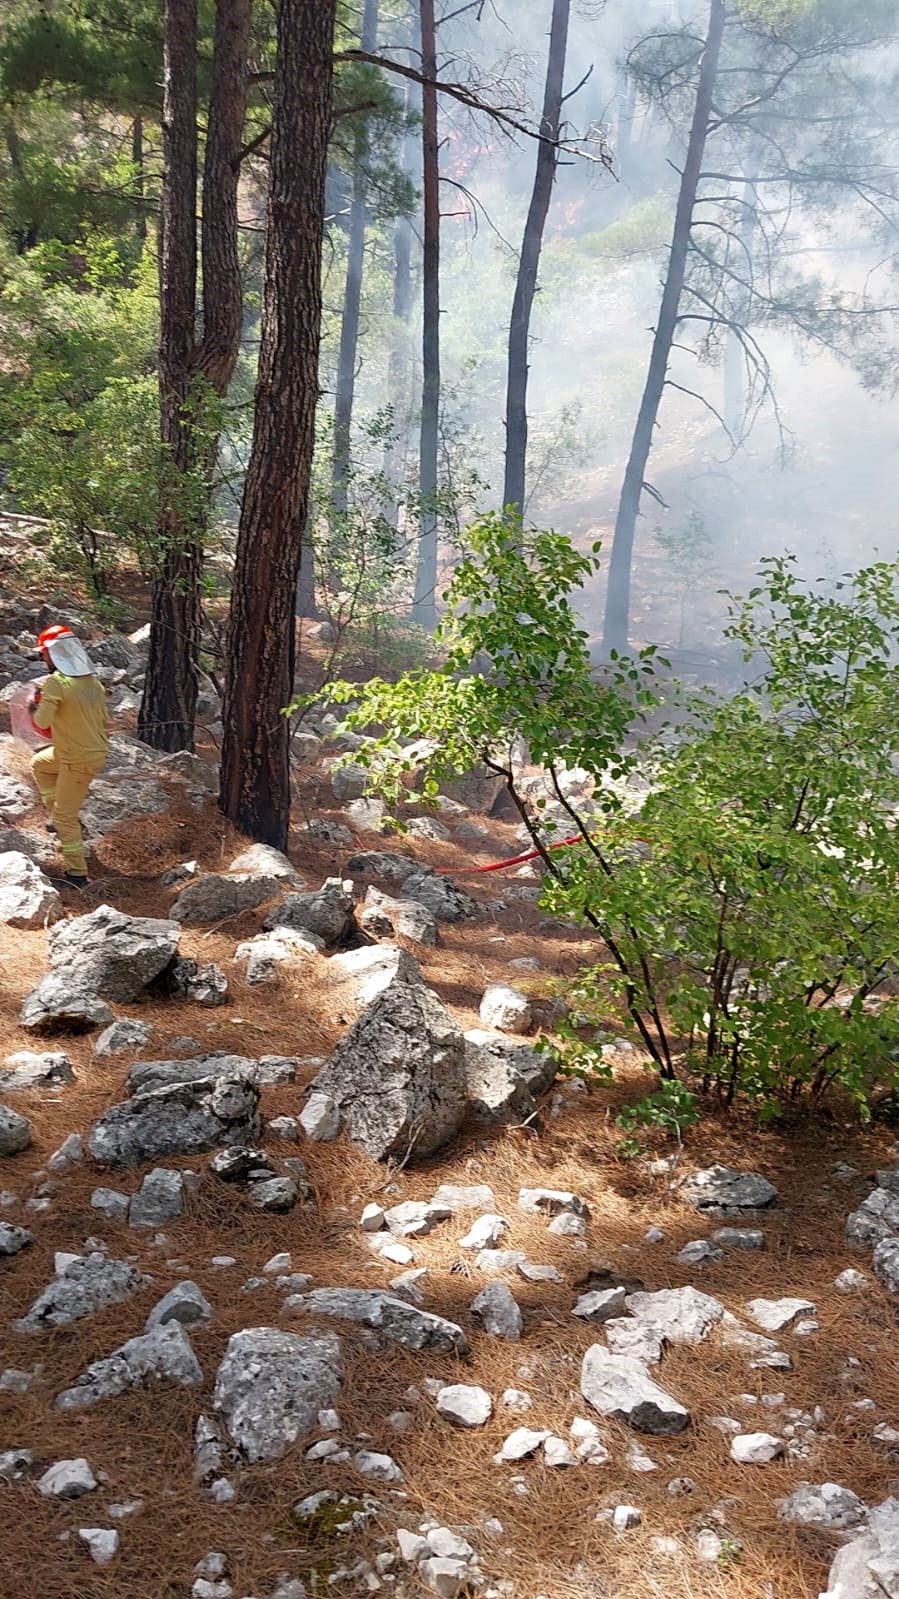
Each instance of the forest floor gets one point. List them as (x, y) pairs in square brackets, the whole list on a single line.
[(548, 1531)]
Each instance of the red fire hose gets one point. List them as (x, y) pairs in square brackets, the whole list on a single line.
[(514, 860)]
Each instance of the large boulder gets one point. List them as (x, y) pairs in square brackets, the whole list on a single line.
[(262, 859), (680, 1315), (267, 1071), (85, 1285), (503, 1077), (721, 1188), (37, 846), (25, 1071), (383, 917), (868, 1568), (886, 1263), (271, 1386), (397, 1321), (877, 1217), (357, 976), (110, 804), (219, 895), (27, 899), (438, 895), (478, 790), (163, 1355), (398, 1076), (111, 954), (389, 865), (619, 1386), (328, 912), (15, 799), (59, 1005), (185, 1119)]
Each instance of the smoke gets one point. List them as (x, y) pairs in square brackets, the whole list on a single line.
[(815, 475)]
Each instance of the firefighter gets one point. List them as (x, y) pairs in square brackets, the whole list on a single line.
[(70, 706)]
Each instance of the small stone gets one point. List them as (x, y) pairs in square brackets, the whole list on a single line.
[(496, 1310), (69, 1153), (698, 1252), (14, 1239), (517, 1399), (506, 1009), (532, 1273), (383, 1468), (521, 1443), (551, 1202), (15, 1463), (372, 1219), (722, 1188), (756, 1449), (320, 1118), (159, 1198), (568, 1226), (709, 1545), (654, 1235), (68, 1479), (464, 1405), (850, 1281), (278, 1263), (681, 1487), (619, 1386), (412, 1546), (102, 1543), (600, 1305), (391, 1249), (449, 1579), (827, 1505), (414, 1218), (557, 1453), (110, 1203), (740, 1238), (123, 1037), (275, 1194), (485, 1233), (285, 1128), (777, 1314), (640, 1339), (15, 1131), (624, 1517), (407, 1285), (639, 1461), (496, 1261), (185, 1303)]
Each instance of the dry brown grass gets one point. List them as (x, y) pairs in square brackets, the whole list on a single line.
[(552, 1542)]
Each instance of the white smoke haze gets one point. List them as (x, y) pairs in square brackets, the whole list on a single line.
[(815, 479)]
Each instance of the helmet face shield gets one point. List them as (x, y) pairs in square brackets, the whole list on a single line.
[(65, 652)]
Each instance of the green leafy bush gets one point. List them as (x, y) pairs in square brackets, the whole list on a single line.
[(744, 900)]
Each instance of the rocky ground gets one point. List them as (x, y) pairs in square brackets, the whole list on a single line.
[(315, 1282)]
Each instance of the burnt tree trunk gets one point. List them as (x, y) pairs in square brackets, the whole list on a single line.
[(167, 709), (191, 369), (617, 615), (255, 780), (424, 603), (529, 261), (352, 294)]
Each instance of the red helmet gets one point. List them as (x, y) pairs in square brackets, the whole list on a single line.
[(51, 634)]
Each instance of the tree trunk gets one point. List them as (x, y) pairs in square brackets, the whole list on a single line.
[(255, 781), (189, 370), (166, 717), (352, 295), (617, 615), (424, 604), (398, 365), (529, 261)]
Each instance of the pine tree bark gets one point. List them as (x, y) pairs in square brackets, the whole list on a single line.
[(255, 772), (617, 613), (424, 604), (166, 718), (190, 368), (352, 295), (529, 262)]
